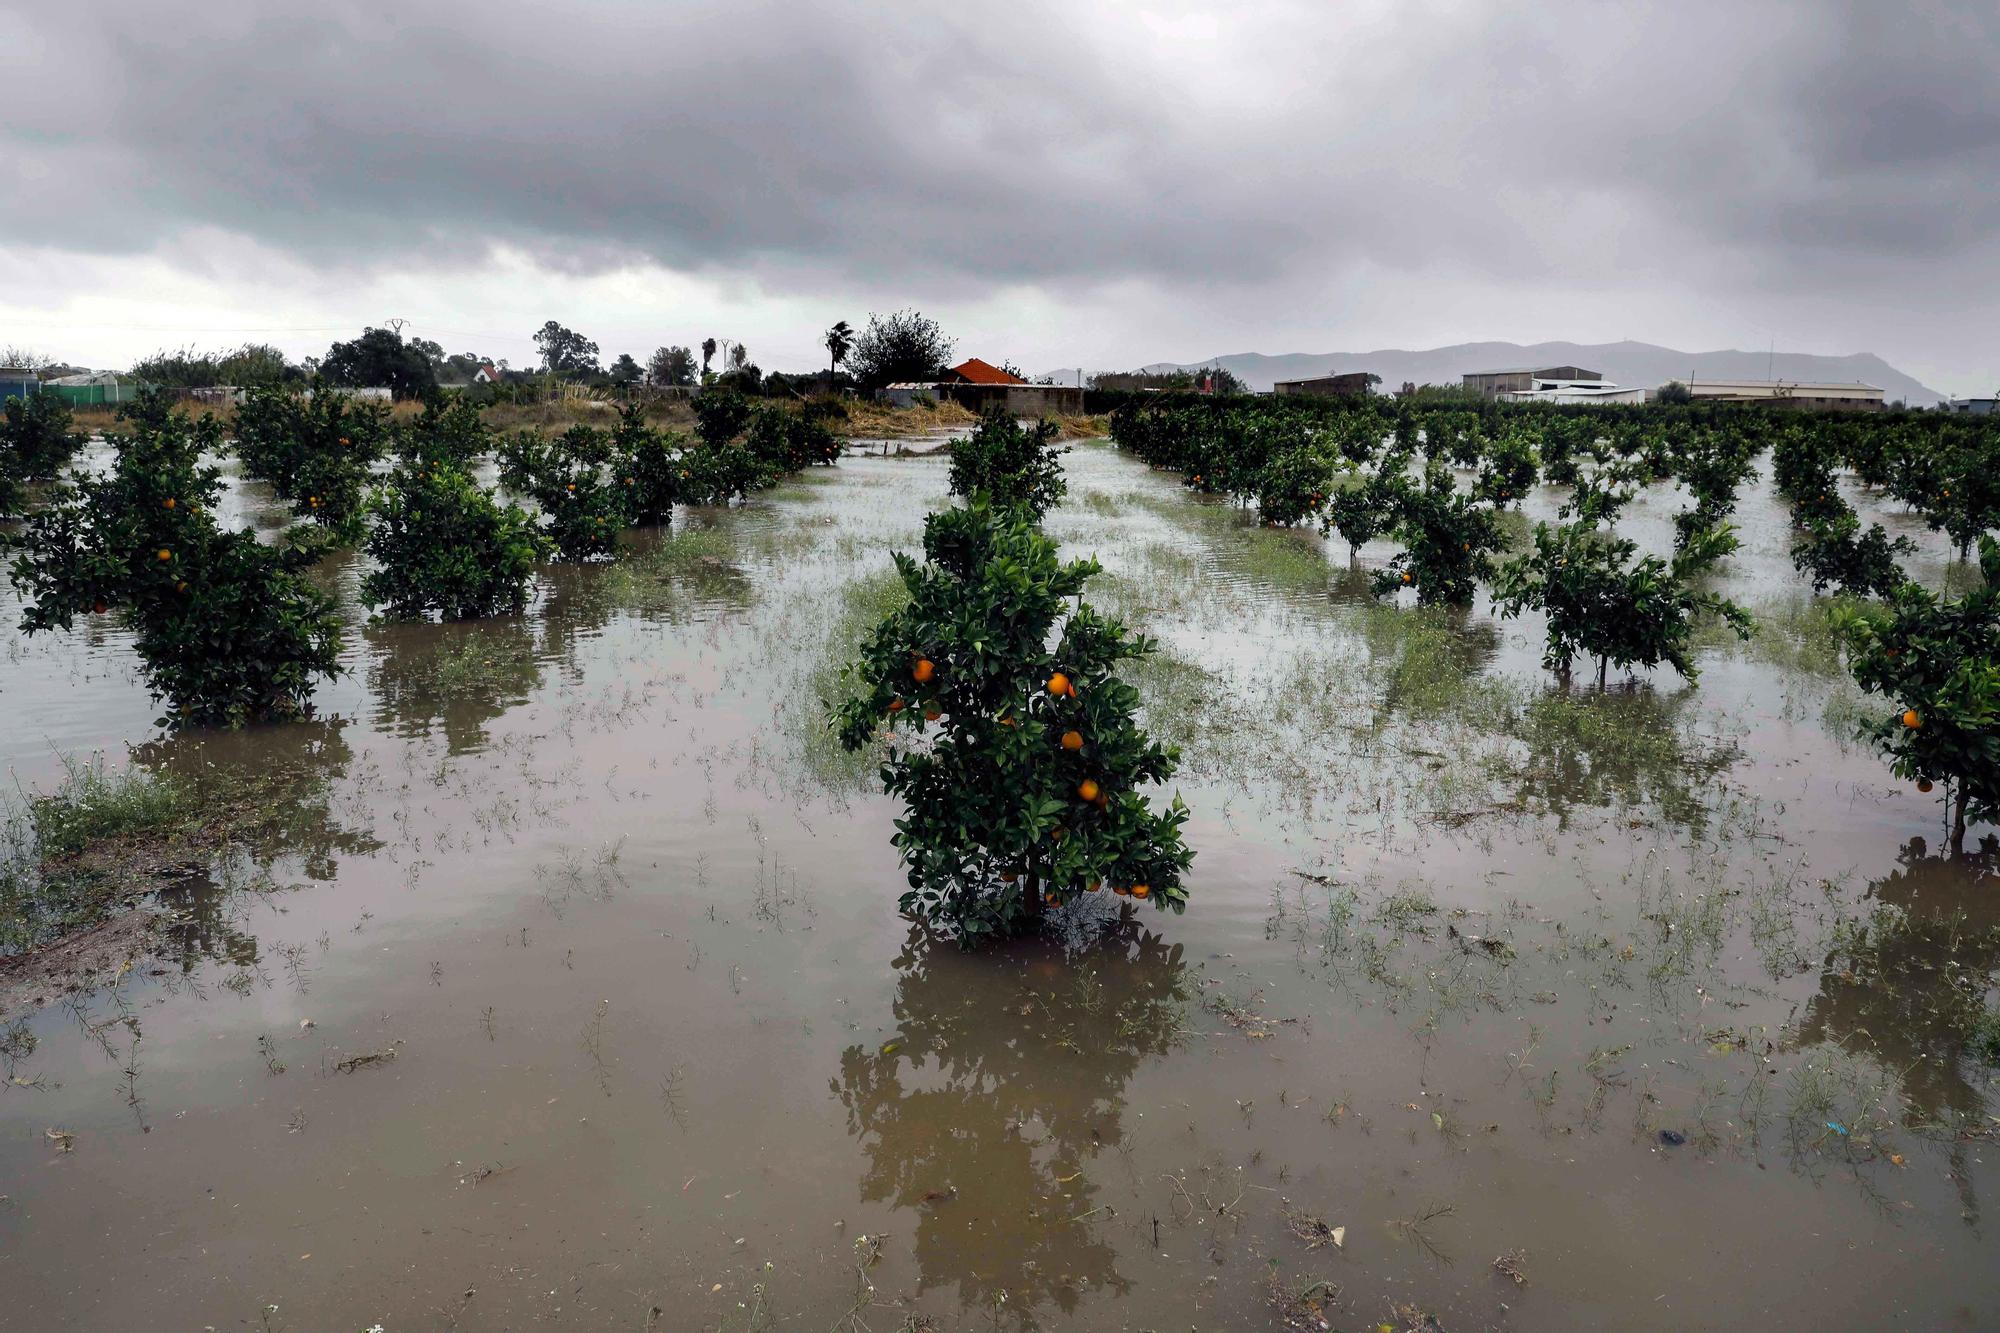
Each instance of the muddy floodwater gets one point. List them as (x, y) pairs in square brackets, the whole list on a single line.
[(567, 989)]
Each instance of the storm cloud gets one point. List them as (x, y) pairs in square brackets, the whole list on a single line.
[(1246, 158)]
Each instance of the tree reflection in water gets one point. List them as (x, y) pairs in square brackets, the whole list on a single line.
[(984, 1112), (1907, 989), (279, 783)]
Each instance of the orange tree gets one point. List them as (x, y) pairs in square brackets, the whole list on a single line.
[(1600, 602), (36, 444), (230, 630), (1012, 743), (1938, 661), (583, 508), (1013, 464), (316, 449), (648, 466), (1448, 537), (441, 542), (787, 441)]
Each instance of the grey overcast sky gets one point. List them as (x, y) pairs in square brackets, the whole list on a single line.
[(1100, 183)]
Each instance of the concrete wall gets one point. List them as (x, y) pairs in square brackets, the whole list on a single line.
[(1022, 400)]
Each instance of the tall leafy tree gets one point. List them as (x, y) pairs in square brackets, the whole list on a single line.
[(565, 351), (907, 345), (625, 370), (380, 358), (671, 367)]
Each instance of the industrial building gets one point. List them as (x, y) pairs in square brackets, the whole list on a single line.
[(1573, 391), (1973, 407), (1349, 385), (1788, 393), (1493, 383)]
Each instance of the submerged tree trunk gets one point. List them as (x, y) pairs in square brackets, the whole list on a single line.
[(1958, 821)]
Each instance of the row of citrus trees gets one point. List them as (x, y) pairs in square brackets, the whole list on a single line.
[(1009, 735), (1438, 480), (233, 630)]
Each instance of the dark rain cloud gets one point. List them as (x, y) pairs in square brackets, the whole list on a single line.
[(1188, 147)]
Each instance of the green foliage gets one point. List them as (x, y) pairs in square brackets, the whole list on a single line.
[(444, 545), (1673, 392), (231, 631), (36, 443), (671, 367), (566, 352), (449, 430), (720, 414), (1601, 603), (1014, 465), (380, 358), (787, 441), (583, 509), (897, 348), (647, 463), (244, 367), (315, 449), (1507, 469), (999, 820), (1448, 537), (1836, 553), (1938, 660)]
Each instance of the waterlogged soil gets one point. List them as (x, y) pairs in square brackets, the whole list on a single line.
[(569, 990)]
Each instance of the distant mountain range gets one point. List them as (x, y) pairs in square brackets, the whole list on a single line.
[(1631, 364)]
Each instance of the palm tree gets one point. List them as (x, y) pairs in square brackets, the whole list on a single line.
[(839, 339)]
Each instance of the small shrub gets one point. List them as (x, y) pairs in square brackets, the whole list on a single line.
[(1016, 466), (1022, 763)]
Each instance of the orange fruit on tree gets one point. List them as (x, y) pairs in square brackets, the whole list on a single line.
[(1911, 720), (924, 670), (171, 502), (1140, 890), (1059, 684), (98, 607), (1406, 577), (1050, 899), (1121, 891), (1094, 885), (895, 705), (165, 554), (1088, 789), (571, 488), (1007, 877), (181, 586), (1923, 784), (1072, 740), (932, 715)]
